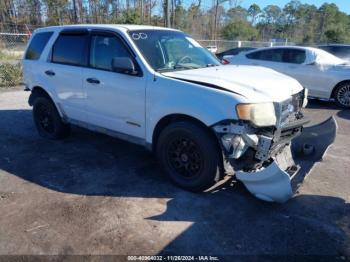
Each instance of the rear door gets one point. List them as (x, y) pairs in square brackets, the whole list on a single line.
[(310, 76), (32, 57), (64, 72), (115, 101), (272, 58), (288, 61)]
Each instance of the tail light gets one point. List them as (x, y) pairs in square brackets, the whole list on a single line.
[(225, 62)]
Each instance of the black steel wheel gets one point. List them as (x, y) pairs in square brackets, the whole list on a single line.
[(189, 155), (47, 119), (342, 95), (184, 155)]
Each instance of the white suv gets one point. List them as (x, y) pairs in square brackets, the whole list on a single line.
[(159, 88)]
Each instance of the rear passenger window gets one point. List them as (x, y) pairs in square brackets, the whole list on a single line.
[(294, 56), (37, 45), (282, 55), (71, 49), (273, 55)]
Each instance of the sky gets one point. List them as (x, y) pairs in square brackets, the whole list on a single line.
[(344, 5)]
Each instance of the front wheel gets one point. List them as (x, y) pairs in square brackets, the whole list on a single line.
[(189, 156), (342, 95)]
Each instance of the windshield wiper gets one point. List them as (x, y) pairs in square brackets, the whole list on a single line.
[(185, 67), (181, 66), (175, 68), (160, 70)]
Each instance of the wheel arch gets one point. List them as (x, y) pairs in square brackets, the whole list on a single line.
[(40, 91), (168, 119)]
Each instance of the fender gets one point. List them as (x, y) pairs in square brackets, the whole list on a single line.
[(50, 94), (168, 96)]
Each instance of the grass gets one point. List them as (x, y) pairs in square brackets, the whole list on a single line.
[(10, 75), (10, 55)]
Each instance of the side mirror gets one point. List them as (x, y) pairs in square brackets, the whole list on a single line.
[(124, 65)]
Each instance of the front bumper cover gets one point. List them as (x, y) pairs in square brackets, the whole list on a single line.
[(273, 182)]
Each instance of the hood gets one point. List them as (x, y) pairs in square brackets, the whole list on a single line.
[(256, 84)]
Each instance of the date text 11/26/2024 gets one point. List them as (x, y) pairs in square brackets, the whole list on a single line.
[(173, 258)]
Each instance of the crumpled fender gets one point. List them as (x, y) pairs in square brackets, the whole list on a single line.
[(273, 183)]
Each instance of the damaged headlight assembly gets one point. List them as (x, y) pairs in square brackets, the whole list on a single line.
[(264, 141), (236, 138), (260, 115)]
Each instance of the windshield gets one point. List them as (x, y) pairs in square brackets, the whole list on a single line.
[(325, 58), (167, 50)]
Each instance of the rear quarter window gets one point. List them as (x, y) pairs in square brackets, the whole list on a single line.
[(340, 50), (71, 49), (37, 45)]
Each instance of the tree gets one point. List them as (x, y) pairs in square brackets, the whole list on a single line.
[(300, 23), (254, 11), (270, 25), (327, 13), (336, 35), (239, 30), (237, 13)]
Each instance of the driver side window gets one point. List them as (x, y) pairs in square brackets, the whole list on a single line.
[(103, 49)]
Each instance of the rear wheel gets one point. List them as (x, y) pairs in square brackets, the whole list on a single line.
[(342, 95), (47, 119), (189, 156)]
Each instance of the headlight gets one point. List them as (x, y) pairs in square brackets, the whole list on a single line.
[(306, 94), (259, 114)]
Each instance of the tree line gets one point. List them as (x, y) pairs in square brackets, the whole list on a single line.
[(219, 19)]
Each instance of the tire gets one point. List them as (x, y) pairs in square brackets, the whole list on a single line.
[(342, 95), (189, 155), (47, 119)]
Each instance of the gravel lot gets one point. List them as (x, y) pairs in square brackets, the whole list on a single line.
[(92, 194)]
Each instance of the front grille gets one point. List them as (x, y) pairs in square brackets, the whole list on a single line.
[(289, 110)]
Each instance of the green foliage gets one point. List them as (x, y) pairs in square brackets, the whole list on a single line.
[(254, 11), (304, 23), (10, 74), (240, 30), (297, 22), (132, 17), (336, 35)]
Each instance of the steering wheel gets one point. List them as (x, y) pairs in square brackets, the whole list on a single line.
[(182, 60)]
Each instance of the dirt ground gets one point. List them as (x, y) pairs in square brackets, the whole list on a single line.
[(92, 194)]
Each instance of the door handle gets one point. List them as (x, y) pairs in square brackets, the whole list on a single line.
[(50, 73), (93, 81)]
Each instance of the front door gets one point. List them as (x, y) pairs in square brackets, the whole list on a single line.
[(115, 101)]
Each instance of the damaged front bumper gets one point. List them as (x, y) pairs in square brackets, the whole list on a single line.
[(265, 164)]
